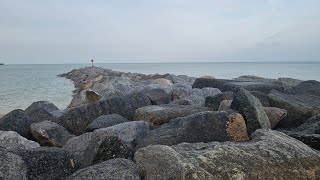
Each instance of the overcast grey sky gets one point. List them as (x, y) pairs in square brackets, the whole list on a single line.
[(74, 31)]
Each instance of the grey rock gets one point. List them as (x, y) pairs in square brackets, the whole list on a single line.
[(48, 163), (48, 106), (299, 107), (115, 169), (112, 147), (263, 98), (48, 133), (311, 87), (39, 115), (12, 141), (129, 132), (12, 166), (200, 127), (181, 102), (125, 105), (158, 96), (229, 85), (225, 105), (83, 149), (251, 109), (275, 115), (195, 96), (76, 119), (158, 115), (308, 132), (106, 121), (17, 121), (214, 101), (269, 155)]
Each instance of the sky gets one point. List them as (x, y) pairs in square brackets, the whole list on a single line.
[(130, 31)]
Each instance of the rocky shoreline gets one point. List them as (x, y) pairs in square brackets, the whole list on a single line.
[(136, 126)]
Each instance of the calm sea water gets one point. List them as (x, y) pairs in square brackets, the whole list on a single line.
[(20, 85)]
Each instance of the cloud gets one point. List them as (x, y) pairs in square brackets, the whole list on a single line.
[(170, 30)]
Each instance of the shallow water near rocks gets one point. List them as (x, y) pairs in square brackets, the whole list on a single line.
[(20, 85)]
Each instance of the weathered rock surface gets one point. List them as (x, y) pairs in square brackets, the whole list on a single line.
[(17, 121), (115, 169), (263, 98), (275, 115), (225, 105), (308, 132), (125, 105), (83, 149), (129, 132), (12, 166), (39, 115), (299, 107), (76, 119), (48, 106), (214, 101), (181, 102), (200, 127), (269, 155), (48, 133), (112, 147), (158, 96), (263, 85), (194, 95), (12, 141), (48, 163), (108, 83), (106, 121), (157, 115), (311, 87), (251, 109)]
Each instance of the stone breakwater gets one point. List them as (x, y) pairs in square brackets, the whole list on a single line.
[(135, 126)]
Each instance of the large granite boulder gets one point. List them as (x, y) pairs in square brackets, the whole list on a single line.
[(308, 132), (111, 147), (129, 132), (76, 119), (12, 141), (269, 155), (214, 101), (115, 169), (251, 109), (225, 105), (194, 95), (83, 149), (17, 121), (158, 96), (299, 107), (12, 166), (275, 115), (229, 85), (125, 105), (48, 133), (200, 127), (48, 106), (311, 87), (157, 115), (263, 98), (106, 121), (39, 115), (48, 163)]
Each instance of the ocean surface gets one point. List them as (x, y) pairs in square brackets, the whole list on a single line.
[(20, 85)]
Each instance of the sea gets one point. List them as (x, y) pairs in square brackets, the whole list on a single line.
[(20, 85)]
